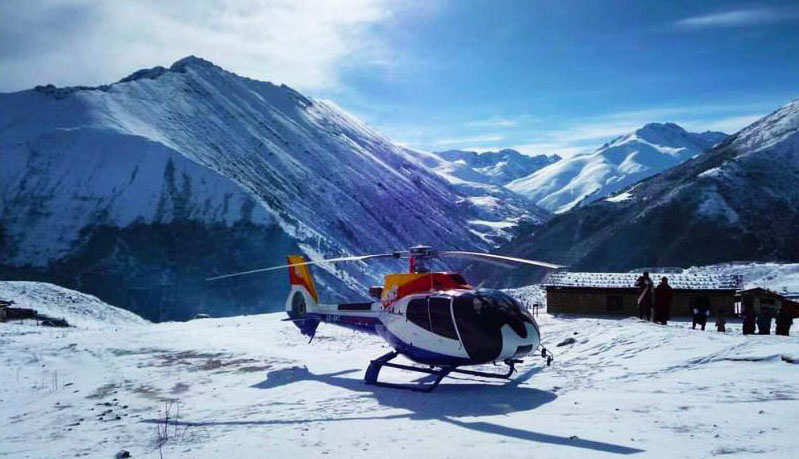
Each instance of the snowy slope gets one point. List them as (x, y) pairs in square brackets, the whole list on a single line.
[(491, 167), (79, 310), (173, 175), (251, 386), (616, 165), (738, 201), (778, 277), (480, 178)]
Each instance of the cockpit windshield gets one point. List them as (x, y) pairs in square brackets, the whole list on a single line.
[(496, 306), (480, 316)]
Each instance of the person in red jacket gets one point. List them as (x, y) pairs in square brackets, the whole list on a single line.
[(749, 318), (663, 296)]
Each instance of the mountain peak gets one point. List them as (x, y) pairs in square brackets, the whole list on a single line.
[(662, 126), (191, 61), (179, 66), (625, 160), (657, 130), (673, 135)]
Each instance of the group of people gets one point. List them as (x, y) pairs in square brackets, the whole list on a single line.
[(762, 320), (659, 299)]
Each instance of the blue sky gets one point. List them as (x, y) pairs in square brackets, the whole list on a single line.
[(540, 76)]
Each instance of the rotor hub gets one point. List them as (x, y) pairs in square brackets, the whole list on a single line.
[(422, 252)]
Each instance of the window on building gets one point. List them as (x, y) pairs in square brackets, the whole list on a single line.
[(417, 313), (614, 303), (441, 318)]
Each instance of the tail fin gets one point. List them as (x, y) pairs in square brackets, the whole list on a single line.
[(303, 297), (301, 275)]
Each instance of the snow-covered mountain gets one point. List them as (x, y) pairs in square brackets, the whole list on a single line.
[(616, 165), (738, 201), (138, 190), (490, 167), (480, 178)]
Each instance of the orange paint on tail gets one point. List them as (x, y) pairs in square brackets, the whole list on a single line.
[(301, 275)]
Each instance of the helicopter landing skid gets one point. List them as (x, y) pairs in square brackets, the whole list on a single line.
[(440, 373)]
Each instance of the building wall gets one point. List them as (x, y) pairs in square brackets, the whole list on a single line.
[(760, 299), (577, 300)]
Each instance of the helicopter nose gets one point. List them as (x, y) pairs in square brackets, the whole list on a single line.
[(515, 346)]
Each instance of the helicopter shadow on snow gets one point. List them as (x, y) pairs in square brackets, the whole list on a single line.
[(446, 404), (470, 397), (449, 402)]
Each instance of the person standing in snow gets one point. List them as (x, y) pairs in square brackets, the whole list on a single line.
[(701, 312), (749, 318), (663, 296), (645, 286), (721, 321), (784, 322)]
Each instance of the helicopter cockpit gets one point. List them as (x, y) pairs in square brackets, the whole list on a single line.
[(479, 317)]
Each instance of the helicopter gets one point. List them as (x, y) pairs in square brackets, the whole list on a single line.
[(435, 319)]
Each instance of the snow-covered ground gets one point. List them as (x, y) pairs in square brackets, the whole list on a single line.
[(779, 277), (79, 309), (253, 387)]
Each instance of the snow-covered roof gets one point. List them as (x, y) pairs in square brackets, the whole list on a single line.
[(627, 280)]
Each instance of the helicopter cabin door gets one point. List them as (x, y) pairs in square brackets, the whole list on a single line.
[(433, 314), (440, 309)]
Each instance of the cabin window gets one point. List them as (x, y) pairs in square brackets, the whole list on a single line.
[(417, 313), (614, 303), (441, 318)]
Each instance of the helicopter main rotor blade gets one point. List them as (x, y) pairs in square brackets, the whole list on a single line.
[(497, 258), (327, 260), (501, 263)]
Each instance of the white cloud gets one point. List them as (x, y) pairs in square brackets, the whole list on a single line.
[(587, 134), (551, 148), (494, 121), (596, 130), (471, 139), (726, 118), (736, 18), (730, 124), (303, 43)]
